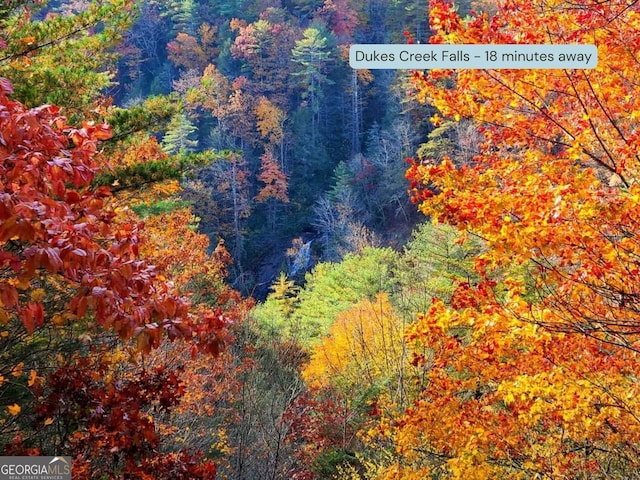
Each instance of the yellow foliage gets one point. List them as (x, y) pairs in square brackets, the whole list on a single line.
[(38, 295), (364, 345), (270, 120), (165, 189)]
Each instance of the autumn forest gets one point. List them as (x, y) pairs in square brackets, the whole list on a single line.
[(225, 254)]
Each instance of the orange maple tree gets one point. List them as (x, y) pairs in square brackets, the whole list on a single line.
[(554, 183), (194, 53), (532, 368), (274, 179)]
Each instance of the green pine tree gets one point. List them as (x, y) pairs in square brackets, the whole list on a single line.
[(180, 136)]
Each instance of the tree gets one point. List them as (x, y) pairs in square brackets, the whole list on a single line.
[(88, 254), (230, 103), (332, 288), (361, 369), (564, 157), (151, 115), (183, 15), (115, 433), (270, 122), (265, 46), (273, 178), (504, 399), (324, 425), (386, 193), (226, 182), (179, 135), (77, 290), (340, 215), (239, 115), (312, 53), (185, 52), (205, 417), (431, 266), (142, 51), (340, 17), (212, 93), (41, 56), (270, 384), (363, 349), (273, 316), (529, 368), (190, 52), (275, 188)]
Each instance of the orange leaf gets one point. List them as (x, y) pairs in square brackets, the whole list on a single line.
[(17, 370), (33, 377)]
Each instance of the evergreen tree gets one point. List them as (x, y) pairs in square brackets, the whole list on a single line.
[(312, 54), (184, 16), (179, 137), (65, 60)]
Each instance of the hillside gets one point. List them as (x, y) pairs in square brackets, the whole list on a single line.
[(226, 254)]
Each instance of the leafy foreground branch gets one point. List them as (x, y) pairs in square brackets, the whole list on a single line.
[(81, 305)]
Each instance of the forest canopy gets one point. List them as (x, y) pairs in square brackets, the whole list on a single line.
[(226, 254)]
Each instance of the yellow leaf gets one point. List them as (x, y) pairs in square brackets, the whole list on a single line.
[(38, 295), (48, 421), (170, 187), (14, 409)]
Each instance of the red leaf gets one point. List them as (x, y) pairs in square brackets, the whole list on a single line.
[(8, 295), (32, 316), (53, 261), (82, 306), (72, 197)]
